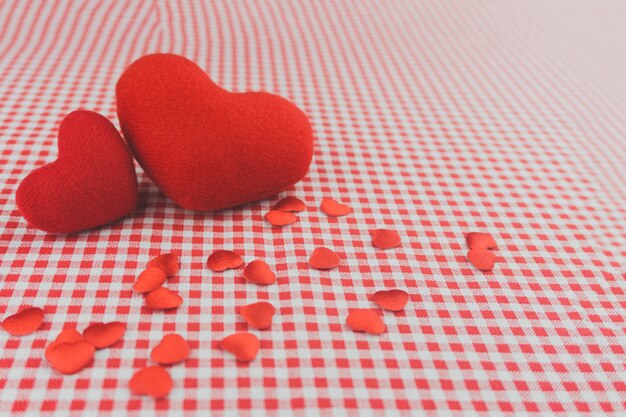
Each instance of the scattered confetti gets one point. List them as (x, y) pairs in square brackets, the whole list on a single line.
[(365, 320), (222, 260), (24, 322), (476, 240), (150, 279), (70, 353), (280, 218), (291, 204), (334, 208), (69, 335), (258, 315), (392, 300), (385, 239), (153, 381), (482, 259), (323, 258), (167, 262), (103, 335), (244, 346), (259, 272), (172, 349), (163, 299)]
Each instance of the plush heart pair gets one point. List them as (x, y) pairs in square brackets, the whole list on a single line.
[(204, 147)]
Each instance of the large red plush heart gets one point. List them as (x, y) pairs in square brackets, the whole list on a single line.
[(91, 183), (204, 147)]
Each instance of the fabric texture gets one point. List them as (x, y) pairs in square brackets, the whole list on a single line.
[(432, 118)]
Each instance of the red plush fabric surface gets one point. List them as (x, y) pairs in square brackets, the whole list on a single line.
[(91, 183), (204, 147)]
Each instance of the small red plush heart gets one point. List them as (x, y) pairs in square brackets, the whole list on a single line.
[(477, 240), (91, 183), (24, 322), (482, 259), (323, 258), (258, 315), (153, 381), (167, 262), (149, 280), (69, 353), (221, 260), (103, 335), (392, 300), (335, 209), (172, 349), (163, 299), (244, 346), (204, 147), (365, 320), (258, 272)]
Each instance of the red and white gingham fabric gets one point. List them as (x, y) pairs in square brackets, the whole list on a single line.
[(432, 118)]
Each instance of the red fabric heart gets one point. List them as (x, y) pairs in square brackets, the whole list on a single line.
[(291, 204), (167, 262), (91, 183), (172, 349), (149, 280), (258, 272), (69, 353), (477, 240), (280, 218), (365, 320), (69, 335), (385, 238), (103, 335), (153, 381), (258, 315), (163, 299), (244, 346), (392, 300), (221, 260), (204, 147), (323, 258), (24, 322), (334, 208), (482, 259)]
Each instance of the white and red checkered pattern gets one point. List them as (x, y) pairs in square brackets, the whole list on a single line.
[(433, 118)]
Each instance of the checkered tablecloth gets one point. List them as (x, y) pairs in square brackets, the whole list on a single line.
[(432, 118)]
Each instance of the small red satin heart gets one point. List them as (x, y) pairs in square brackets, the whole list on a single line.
[(334, 208), (167, 262), (244, 346), (91, 183), (476, 240), (392, 300), (280, 218), (258, 272), (291, 204), (163, 299), (204, 147), (70, 353), (385, 239), (258, 315), (172, 349), (23, 322), (323, 258), (482, 259), (153, 381), (365, 320), (221, 260), (103, 335), (149, 280)]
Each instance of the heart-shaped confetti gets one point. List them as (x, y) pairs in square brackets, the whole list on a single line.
[(153, 381), (167, 262), (172, 349), (69, 335), (291, 204), (103, 335), (149, 280), (163, 299), (280, 218), (258, 315), (323, 258), (334, 208), (482, 259), (24, 322), (244, 346), (221, 260), (392, 300), (258, 272), (385, 238), (70, 353), (476, 240), (365, 320)]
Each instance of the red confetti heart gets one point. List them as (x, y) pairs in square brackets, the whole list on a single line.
[(244, 346), (280, 218), (153, 381), (482, 259), (259, 272), (258, 315), (365, 320), (291, 204), (167, 262), (103, 335), (70, 353), (323, 258), (172, 349), (69, 335), (163, 299), (221, 260), (385, 239), (392, 300), (334, 208), (24, 322), (149, 280), (476, 240)]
